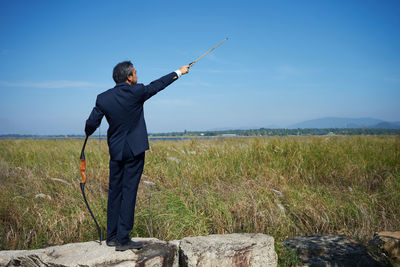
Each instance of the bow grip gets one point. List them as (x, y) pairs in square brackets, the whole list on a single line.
[(82, 170)]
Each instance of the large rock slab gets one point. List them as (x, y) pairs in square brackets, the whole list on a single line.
[(331, 250), (228, 250), (154, 253), (387, 244)]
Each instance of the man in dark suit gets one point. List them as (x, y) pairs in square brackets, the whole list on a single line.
[(127, 142)]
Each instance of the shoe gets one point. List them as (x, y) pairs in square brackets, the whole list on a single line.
[(130, 245), (113, 242)]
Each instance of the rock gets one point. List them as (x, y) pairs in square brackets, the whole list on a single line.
[(279, 193), (387, 244), (228, 250), (148, 183), (176, 243), (331, 250), (43, 196), (154, 253)]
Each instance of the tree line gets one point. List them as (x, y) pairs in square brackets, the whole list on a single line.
[(285, 132)]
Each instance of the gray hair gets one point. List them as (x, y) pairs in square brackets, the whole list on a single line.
[(121, 71)]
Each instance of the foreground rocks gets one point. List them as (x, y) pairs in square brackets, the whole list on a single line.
[(153, 253), (387, 246), (228, 250), (214, 250), (331, 250)]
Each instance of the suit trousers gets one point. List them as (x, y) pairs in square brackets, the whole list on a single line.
[(123, 185)]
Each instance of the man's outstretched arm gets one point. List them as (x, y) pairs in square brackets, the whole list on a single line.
[(155, 86), (94, 120)]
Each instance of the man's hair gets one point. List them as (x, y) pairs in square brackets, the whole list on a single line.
[(121, 71)]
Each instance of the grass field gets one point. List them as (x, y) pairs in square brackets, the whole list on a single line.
[(283, 187)]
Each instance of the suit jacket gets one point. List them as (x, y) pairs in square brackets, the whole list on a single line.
[(123, 108)]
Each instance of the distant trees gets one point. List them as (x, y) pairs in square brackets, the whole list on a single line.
[(252, 132), (287, 132)]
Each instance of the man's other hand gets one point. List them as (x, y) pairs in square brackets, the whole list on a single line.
[(184, 69)]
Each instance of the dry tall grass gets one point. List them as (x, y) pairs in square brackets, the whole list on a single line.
[(279, 186)]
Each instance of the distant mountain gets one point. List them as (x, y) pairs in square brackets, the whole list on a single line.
[(334, 122), (386, 125), (325, 123)]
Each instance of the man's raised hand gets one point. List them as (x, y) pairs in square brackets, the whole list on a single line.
[(184, 69)]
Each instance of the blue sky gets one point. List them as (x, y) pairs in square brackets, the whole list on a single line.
[(284, 62)]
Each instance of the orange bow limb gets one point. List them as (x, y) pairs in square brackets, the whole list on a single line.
[(82, 169)]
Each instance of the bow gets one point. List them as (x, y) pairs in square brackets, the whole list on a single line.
[(83, 181), (192, 63)]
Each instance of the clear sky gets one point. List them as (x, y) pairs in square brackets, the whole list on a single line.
[(284, 62)]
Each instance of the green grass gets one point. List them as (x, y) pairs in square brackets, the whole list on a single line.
[(337, 184)]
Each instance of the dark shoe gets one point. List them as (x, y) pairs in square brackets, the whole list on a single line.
[(129, 245), (113, 242)]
